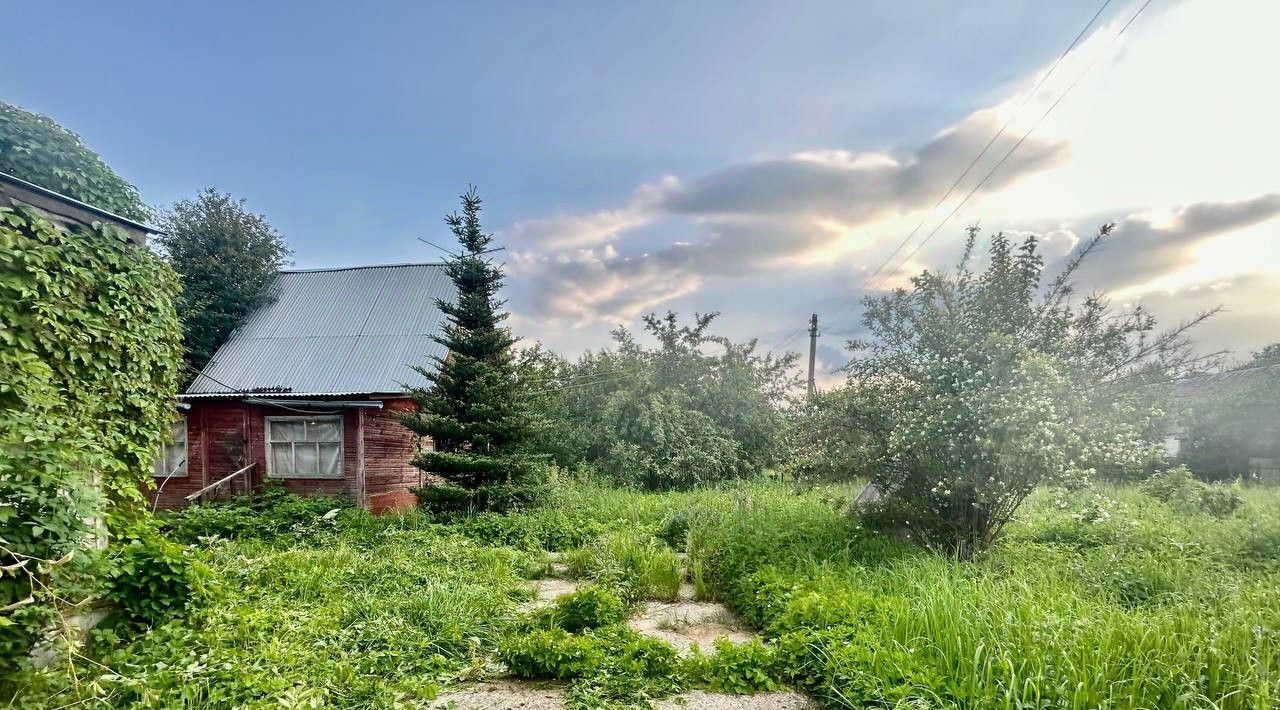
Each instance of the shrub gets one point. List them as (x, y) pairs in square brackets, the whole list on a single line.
[(448, 500), (272, 513), (663, 444), (976, 388), (152, 579), (1180, 489), (820, 444), (695, 409), (749, 667), (675, 529), (589, 607)]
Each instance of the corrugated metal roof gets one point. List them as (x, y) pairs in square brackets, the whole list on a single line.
[(334, 332)]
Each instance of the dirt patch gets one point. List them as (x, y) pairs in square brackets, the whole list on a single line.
[(701, 700), (546, 590), (505, 694), (684, 623)]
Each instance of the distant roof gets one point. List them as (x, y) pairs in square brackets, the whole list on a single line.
[(1206, 386), (343, 331)]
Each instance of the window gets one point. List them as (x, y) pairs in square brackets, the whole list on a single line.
[(304, 447), (172, 459)]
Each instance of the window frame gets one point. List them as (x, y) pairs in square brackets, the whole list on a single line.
[(160, 460), (341, 442)]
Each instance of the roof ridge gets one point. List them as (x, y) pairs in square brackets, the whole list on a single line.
[(365, 266)]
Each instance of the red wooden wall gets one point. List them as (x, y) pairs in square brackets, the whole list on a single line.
[(388, 455), (377, 468)]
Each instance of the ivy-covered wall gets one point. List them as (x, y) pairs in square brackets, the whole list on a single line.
[(89, 353), (38, 150)]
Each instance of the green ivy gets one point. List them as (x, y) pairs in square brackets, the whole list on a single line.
[(89, 351), (38, 150), (151, 580)]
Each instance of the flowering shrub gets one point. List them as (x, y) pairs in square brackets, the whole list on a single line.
[(974, 390)]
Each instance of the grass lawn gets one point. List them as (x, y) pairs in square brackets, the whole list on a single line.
[(1126, 604)]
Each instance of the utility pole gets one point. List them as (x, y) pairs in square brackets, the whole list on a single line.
[(813, 350)]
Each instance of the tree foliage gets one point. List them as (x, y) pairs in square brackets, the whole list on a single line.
[(818, 441), (89, 347), (38, 150), (226, 258), (472, 411), (1230, 431), (695, 408), (975, 388)]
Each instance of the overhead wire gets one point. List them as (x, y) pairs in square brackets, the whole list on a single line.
[(1016, 145), (995, 137), (872, 282)]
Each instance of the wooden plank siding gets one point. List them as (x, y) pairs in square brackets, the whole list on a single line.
[(225, 435), (173, 490)]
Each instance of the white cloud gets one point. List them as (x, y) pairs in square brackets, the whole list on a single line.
[(1142, 249), (1171, 131), (748, 217)]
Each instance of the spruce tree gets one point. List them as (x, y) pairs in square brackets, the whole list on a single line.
[(472, 410)]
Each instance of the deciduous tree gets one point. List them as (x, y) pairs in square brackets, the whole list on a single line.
[(226, 258)]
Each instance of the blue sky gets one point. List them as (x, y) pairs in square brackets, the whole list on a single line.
[(353, 127)]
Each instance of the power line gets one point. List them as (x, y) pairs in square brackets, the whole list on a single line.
[(237, 392), (991, 142), (1016, 145)]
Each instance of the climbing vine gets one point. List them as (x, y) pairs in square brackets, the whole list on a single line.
[(89, 352), (36, 149)]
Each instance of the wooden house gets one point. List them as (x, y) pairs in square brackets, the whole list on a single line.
[(308, 392)]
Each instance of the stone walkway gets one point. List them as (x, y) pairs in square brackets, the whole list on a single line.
[(504, 694), (681, 623), (686, 622), (546, 591)]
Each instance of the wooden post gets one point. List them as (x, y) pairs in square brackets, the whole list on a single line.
[(813, 350), (360, 483), (204, 445), (248, 442)]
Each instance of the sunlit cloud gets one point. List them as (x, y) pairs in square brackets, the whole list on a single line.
[(1151, 136)]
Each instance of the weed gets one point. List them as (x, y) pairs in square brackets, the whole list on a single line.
[(589, 607), (151, 580), (749, 667), (1178, 488), (643, 567)]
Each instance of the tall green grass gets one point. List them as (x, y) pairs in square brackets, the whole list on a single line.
[(641, 566), (1114, 600), (1142, 609), (376, 613)]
